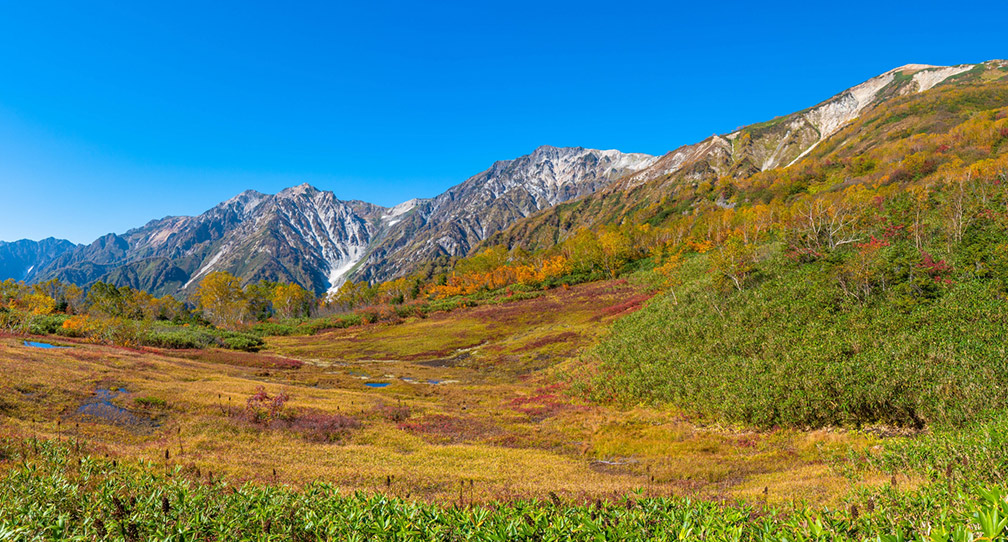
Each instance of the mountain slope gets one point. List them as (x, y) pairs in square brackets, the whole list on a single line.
[(760, 147)]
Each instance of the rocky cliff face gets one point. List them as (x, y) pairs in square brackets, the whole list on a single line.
[(301, 235)]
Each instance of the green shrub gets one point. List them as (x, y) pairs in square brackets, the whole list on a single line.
[(150, 402), (275, 329), (179, 337), (796, 350), (47, 324), (242, 341)]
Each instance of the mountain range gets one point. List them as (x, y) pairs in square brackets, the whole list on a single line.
[(311, 237)]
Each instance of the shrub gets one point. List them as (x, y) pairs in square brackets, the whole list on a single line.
[(47, 324), (151, 403), (179, 338), (276, 329), (394, 414), (241, 341), (264, 409), (369, 316)]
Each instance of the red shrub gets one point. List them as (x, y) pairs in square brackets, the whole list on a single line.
[(543, 403), (629, 305), (939, 270), (270, 412)]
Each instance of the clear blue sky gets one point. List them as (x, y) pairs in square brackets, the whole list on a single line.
[(114, 114)]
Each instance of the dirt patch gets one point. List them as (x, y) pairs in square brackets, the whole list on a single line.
[(243, 359)]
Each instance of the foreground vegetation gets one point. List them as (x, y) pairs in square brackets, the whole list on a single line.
[(50, 493)]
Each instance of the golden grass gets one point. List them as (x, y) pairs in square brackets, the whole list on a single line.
[(521, 434)]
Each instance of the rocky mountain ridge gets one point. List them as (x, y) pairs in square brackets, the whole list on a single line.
[(309, 236)]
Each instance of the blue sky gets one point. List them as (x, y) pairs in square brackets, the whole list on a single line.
[(114, 114)]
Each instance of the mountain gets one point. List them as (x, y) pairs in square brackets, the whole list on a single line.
[(455, 221), (301, 235), (20, 259), (781, 142), (308, 236)]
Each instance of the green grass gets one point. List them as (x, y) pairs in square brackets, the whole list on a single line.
[(790, 350), (49, 493), (978, 452)]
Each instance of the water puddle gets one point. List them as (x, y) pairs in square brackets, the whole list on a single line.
[(376, 384), (34, 344), (100, 408)]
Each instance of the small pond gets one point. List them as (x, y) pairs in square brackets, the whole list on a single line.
[(376, 384), (101, 408), (34, 344)]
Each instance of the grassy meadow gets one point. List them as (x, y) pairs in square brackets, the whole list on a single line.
[(483, 421), (476, 394)]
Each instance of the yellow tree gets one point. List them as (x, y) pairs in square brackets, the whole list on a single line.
[(614, 250), (222, 299), (290, 300), (669, 271), (735, 261), (39, 303), (11, 291)]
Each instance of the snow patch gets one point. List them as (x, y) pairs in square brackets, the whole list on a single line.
[(206, 267), (340, 268)]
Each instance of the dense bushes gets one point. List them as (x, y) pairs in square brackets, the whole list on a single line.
[(178, 337), (47, 324), (128, 332), (795, 350), (242, 341)]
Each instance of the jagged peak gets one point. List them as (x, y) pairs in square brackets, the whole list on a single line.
[(245, 196), (299, 190), (404, 207)]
